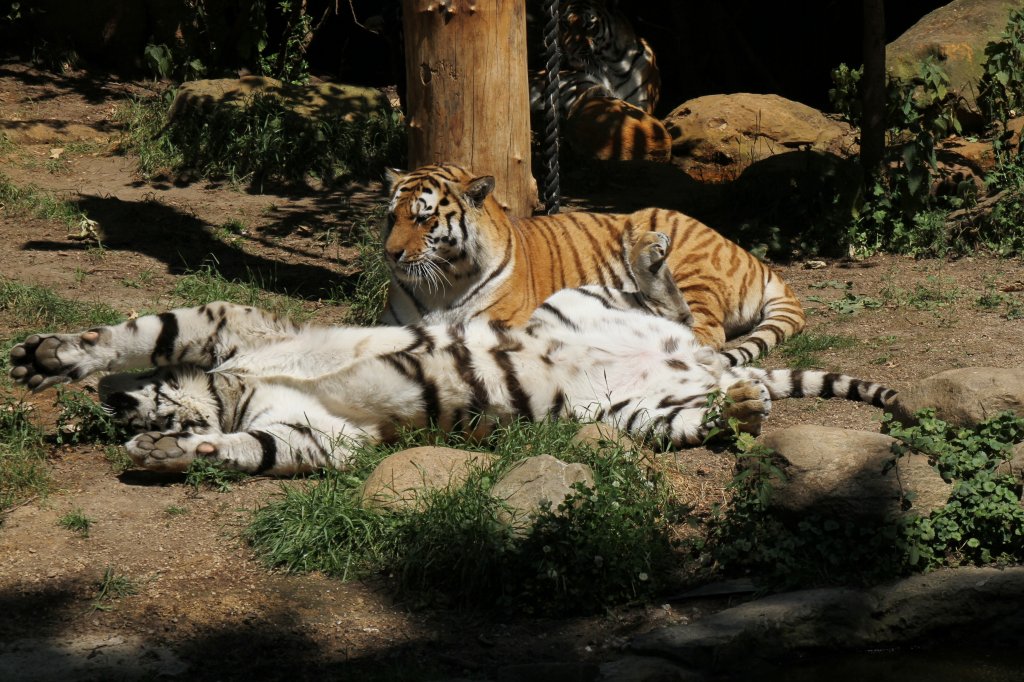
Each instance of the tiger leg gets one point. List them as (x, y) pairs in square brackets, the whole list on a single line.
[(200, 336), (274, 450)]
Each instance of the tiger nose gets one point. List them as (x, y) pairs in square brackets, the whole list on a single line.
[(396, 254)]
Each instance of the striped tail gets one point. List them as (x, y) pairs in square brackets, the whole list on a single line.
[(781, 317), (809, 383)]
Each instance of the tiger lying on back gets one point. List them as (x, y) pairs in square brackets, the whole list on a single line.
[(454, 256), (257, 393)]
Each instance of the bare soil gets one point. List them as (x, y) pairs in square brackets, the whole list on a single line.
[(204, 608)]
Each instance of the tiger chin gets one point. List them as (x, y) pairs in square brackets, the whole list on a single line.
[(252, 391), (454, 256)]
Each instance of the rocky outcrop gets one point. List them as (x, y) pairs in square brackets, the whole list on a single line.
[(955, 35), (846, 474), (740, 129), (406, 478), (964, 397)]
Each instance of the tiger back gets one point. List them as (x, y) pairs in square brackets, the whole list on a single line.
[(455, 256)]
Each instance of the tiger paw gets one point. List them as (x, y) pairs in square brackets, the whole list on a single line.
[(647, 260), (168, 451), (41, 361), (649, 253), (749, 403)]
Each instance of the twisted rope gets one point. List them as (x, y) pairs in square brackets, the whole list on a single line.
[(550, 144)]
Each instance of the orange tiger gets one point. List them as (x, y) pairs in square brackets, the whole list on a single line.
[(454, 255)]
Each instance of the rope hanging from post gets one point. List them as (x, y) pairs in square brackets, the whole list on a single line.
[(550, 143)]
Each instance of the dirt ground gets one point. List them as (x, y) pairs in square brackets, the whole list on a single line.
[(204, 608)]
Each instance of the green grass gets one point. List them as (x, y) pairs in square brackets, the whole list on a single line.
[(42, 309), (38, 203), (207, 284), (23, 469), (82, 420), (800, 350), (175, 510), (935, 293), (76, 522), (367, 301), (605, 546), (204, 473)]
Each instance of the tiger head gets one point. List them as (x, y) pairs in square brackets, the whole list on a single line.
[(182, 398), (591, 29), (434, 232)]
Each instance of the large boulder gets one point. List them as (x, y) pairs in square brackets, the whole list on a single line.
[(535, 482), (844, 474), (955, 35), (405, 479), (964, 397), (740, 129)]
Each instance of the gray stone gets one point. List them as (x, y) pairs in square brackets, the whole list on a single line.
[(536, 481), (969, 601), (839, 472), (405, 478), (646, 669), (964, 397)]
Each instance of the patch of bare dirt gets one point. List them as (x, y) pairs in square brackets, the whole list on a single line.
[(204, 609)]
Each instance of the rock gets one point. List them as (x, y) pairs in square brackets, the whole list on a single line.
[(313, 100), (739, 129), (965, 601), (537, 480), (964, 397), (548, 672), (600, 436), (955, 35), (645, 669), (403, 479), (839, 473), (612, 130)]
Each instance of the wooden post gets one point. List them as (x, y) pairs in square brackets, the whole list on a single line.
[(467, 93), (872, 129)]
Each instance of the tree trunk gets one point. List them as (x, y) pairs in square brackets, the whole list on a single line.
[(468, 99), (872, 132)]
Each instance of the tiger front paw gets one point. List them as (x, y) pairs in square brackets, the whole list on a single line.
[(41, 361), (749, 403), (168, 451)]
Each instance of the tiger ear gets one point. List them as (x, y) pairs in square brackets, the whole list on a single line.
[(478, 189), (393, 176)]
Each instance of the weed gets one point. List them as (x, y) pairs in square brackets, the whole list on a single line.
[(118, 459), (1000, 91), (935, 293), (175, 510), (800, 350), (23, 471), (83, 420), (113, 586), (142, 122), (203, 472), (76, 521)]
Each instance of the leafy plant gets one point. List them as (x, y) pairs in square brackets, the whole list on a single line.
[(800, 350), (1001, 89), (850, 303)]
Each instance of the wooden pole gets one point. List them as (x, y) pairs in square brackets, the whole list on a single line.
[(872, 131), (467, 92)]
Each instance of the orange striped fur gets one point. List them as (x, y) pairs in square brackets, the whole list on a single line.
[(454, 255)]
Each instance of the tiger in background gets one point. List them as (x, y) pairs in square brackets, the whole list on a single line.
[(609, 86), (250, 391), (454, 256)]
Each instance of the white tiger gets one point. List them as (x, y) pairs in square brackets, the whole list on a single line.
[(258, 393)]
